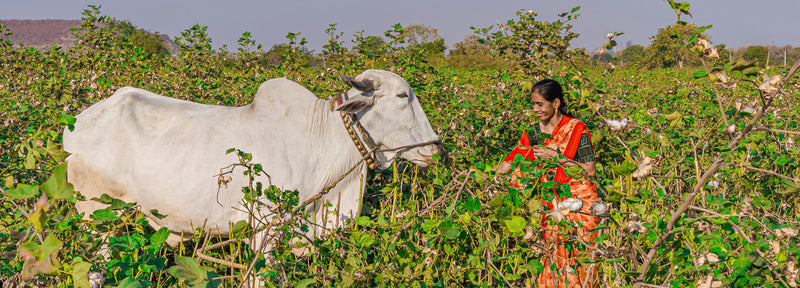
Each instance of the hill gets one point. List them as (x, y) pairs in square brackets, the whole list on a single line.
[(43, 34)]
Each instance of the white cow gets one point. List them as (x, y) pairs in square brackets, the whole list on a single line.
[(165, 153)]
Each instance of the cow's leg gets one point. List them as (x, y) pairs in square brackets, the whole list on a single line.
[(87, 208), (346, 199)]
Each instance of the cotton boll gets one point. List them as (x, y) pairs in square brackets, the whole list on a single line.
[(599, 208), (96, 279), (617, 125), (574, 205)]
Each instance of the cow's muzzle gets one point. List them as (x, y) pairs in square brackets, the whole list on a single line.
[(434, 148)]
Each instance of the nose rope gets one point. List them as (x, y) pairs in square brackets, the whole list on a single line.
[(328, 188)]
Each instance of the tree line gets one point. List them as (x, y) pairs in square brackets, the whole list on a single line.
[(664, 51)]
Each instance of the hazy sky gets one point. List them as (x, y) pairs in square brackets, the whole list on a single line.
[(736, 22)]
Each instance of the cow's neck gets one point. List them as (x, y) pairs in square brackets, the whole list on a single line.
[(336, 151)]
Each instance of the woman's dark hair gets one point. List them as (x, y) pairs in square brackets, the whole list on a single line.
[(551, 90)]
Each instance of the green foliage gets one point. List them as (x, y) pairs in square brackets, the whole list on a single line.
[(370, 46), (633, 54), (534, 45), (195, 41), (667, 50), (419, 34), (757, 54), (4, 33), (192, 274), (128, 34)]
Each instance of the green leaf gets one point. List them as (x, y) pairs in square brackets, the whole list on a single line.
[(79, 271), (188, 270), (159, 237), (55, 151), (700, 74), (57, 187), (23, 191), (155, 213), (51, 244), (625, 168), (103, 215), (363, 220), (239, 228), (783, 160), (741, 65), (702, 29), (516, 224), (127, 242), (129, 282), (105, 199), (428, 225), (68, 120), (692, 38), (535, 266), (389, 187), (575, 9), (574, 171), (305, 282), (117, 204), (450, 229)]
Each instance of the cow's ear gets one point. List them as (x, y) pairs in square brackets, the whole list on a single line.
[(355, 104)]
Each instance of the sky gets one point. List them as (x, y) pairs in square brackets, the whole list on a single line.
[(735, 22)]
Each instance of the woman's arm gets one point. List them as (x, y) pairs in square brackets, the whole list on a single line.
[(548, 153), (504, 167), (588, 166)]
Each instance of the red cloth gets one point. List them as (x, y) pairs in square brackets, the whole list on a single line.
[(565, 138)]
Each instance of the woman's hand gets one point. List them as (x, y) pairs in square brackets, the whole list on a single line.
[(544, 152), (503, 168)]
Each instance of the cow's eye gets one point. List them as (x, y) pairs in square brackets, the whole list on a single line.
[(402, 94)]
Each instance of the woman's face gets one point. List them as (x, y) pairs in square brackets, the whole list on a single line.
[(544, 109)]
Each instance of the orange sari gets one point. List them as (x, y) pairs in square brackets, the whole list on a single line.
[(568, 272)]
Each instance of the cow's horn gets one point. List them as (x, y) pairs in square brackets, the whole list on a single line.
[(364, 85)]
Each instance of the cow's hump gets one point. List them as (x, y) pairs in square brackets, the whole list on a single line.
[(281, 94)]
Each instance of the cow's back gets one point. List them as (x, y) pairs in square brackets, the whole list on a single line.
[(163, 153), (119, 142)]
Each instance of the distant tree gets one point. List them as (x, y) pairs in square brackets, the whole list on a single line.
[(632, 54), (417, 34), (779, 55), (756, 53), (436, 47), (128, 34), (278, 53), (195, 40), (792, 55), (662, 52), (4, 33), (370, 46), (471, 53), (605, 57), (725, 55), (471, 45)]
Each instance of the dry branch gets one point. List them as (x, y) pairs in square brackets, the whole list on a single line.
[(699, 185)]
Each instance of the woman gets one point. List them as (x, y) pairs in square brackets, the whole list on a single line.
[(571, 144)]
